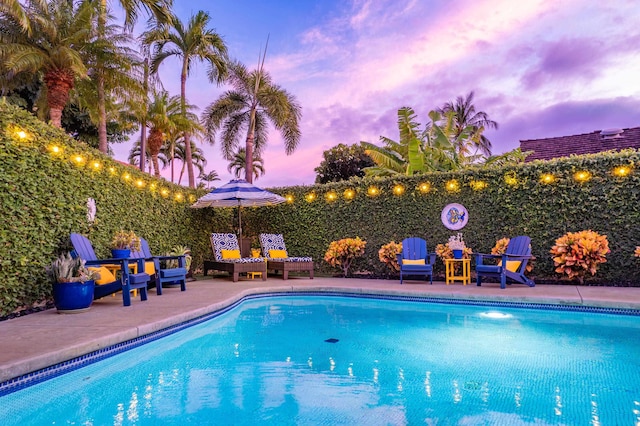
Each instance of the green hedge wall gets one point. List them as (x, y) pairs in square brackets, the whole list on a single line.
[(515, 201), (43, 199)]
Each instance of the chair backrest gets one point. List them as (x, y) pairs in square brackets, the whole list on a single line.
[(83, 247), (414, 248), (144, 252), (520, 246), (271, 242), (221, 242)]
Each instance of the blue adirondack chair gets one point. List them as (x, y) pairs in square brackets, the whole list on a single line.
[(162, 275), (513, 263), (126, 282), (415, 259)]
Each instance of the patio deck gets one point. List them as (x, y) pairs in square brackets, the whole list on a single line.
[(46, 338)]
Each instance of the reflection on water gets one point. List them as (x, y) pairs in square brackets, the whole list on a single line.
[(269, 361)]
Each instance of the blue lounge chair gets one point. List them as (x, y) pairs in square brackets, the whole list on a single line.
[(162, 275), (415, 259), (126, 282), (512, 265)]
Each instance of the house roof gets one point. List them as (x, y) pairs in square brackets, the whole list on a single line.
[(587, 143)]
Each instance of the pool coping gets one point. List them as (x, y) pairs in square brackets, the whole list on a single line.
[(21, 370)]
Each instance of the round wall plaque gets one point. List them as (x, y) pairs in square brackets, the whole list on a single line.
[(454, 216)]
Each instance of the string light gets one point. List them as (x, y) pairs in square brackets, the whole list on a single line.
[(310, 197), (126, 176), (55, 149), (96, 165), (21, 134), (424, 187), (547, 178), (398, 189), (373, 191), (452, 185), (164, 192), (582, 176), (622, 171), (478, 185), (289, 198), (140, 183), (510, 179), (349, 194), (79, 159), (331, 196), (179, 196)]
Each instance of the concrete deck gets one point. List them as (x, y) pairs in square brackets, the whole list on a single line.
[(46, 338)]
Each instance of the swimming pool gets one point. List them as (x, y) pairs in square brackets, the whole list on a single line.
[(346, 360)]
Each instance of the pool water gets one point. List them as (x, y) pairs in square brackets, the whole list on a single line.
[(327, 360)]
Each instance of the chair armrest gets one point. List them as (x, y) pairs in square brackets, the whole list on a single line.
[(517, 256), (182, 261), (431, 259), (399, 258)]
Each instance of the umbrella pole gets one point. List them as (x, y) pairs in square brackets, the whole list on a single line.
[(240, 228)]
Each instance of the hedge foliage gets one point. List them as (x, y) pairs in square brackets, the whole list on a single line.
[(502, 202), (43, 199), (44, 194)]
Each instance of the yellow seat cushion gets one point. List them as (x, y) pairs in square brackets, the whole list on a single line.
[(278, 254), (512, 265), (106, 277), (413, 262), (230, 254), (150, 267)]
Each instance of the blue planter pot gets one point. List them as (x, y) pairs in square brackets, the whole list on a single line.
[(120, 253), (457, 254), (73, 297)]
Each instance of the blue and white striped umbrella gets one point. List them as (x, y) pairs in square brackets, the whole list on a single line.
[(238, 193)]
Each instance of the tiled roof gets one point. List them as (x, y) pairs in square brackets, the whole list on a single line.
[(588, 143)]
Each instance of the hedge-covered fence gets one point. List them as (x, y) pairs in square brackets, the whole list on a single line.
[(44, 193), (543, 200)]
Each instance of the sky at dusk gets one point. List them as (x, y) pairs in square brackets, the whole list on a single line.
[(540, 68)]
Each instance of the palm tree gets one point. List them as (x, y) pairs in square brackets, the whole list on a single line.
[(465, 115), (209, 177), (135, 158), (58, 31), (239, 162), (166, 121), (198, 159), (160, 9), (193, 42), (254, 100)]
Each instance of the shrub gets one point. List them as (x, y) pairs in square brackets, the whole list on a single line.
[(444, 252), (577, 253), (388, 255), (342, 252)]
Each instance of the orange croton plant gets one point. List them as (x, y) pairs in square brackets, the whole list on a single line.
[(577, 253), (342, 252), (388, 255)]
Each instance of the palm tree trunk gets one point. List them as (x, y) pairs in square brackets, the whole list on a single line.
[(143, 122), (187, 136), (59, 83), (102, 113), (248, 161)]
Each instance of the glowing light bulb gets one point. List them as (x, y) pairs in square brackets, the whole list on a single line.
[(289, 198), (373, 191), (425, 187), (349, 194), (398, 189), (547, 178)]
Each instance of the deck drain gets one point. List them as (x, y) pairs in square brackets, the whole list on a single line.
[(472, 385), (332, 340)]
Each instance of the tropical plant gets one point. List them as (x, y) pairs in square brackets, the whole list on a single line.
[(237, 165), (123, 240), (467, 120), (167, 121), (47, 38), (66, 269), (209, 177), (190, 43), (576, 253), (135, 157), (180, 251), (388, 254), (112, 57), (254, 102), (514, 156), (198, 160), (341, 253)]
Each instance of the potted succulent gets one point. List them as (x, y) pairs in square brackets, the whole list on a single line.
[(457, 246), (123, 243), (73, 284)]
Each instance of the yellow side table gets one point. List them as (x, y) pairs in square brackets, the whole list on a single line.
[(450, 276), (252, 275)]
